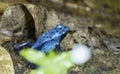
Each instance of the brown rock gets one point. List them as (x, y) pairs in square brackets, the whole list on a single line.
[(6, 63)]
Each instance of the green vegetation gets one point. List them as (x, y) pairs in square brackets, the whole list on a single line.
[(51, 63)]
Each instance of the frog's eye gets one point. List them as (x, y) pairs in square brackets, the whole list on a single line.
[(64, 27)]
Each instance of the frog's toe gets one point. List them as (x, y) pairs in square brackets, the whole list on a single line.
[(33, 66)]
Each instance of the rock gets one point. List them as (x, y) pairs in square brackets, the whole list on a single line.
[(20, 17), (13, 18), (38, 15), (6, 63)]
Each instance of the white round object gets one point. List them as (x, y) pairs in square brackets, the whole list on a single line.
[(80, 54)]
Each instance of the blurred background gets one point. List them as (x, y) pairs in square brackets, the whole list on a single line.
[(106, 13)]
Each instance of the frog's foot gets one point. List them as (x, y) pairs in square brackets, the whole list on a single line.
[(58, 48), (33, 66), (22, 45)]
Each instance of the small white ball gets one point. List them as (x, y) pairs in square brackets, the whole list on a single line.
[(80, 54)]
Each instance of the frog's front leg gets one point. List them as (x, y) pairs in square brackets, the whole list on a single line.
[(22, 45), (58, 48)]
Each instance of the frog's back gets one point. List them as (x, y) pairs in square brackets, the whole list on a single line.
[(58, 32), (49, 45), (47, 36)]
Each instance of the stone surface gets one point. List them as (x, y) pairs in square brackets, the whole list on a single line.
[(105, 13), (6, 63), (13, 18)]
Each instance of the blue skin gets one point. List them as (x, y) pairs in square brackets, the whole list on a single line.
[(47, 41), (51, 39)]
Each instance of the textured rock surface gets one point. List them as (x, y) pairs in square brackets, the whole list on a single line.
[(105, 13), (105, 47), (6, 63)]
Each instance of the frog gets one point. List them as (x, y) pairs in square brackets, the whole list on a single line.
[(48, 41)]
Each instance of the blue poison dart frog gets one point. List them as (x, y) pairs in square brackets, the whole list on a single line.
[(47, 41)]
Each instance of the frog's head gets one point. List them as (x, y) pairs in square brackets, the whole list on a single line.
[(62, 29)]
